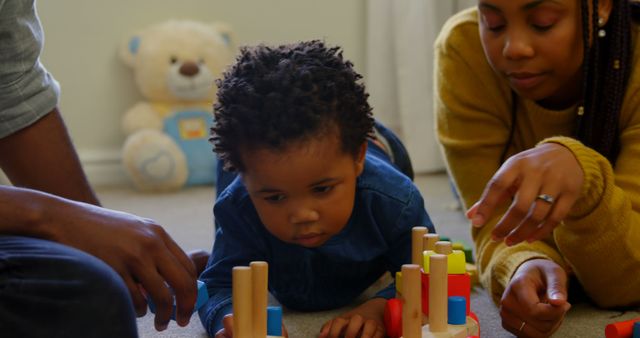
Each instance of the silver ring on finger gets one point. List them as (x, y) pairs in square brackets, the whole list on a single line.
[(546, 198)]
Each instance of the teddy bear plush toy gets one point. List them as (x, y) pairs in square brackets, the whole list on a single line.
[(175, 64)]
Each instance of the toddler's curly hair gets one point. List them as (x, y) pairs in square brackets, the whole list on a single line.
[(273, 96)]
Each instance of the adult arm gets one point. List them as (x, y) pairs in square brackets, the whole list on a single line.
[(42, 157), (472, 109), (599, 238), (600, 227), (138, 249)]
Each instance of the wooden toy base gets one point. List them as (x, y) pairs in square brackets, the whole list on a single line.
[(470, 329)]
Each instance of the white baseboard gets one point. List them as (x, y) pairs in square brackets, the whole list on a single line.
[(103, 167)]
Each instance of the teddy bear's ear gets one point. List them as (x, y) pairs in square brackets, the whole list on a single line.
[(226, 32), (129, 49)]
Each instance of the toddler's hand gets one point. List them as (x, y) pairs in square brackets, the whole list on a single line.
[(227, 327), (365, 321)]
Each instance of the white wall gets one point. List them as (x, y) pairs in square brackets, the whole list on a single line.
[(82, 38)]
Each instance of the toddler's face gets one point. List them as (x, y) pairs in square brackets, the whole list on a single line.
[(304, 194)]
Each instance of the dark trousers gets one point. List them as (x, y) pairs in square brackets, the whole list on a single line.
[(401, 159), (51, 290)]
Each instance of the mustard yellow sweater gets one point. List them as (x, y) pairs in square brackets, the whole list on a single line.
[(600, 239)]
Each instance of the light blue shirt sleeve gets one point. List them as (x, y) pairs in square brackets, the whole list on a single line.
[(27, 90)]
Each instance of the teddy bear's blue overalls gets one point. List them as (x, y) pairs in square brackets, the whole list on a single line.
[(190, 130)]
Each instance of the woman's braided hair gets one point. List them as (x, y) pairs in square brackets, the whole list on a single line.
[(607, 64)]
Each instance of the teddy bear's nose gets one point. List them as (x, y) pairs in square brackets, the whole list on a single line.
[(189, 69)]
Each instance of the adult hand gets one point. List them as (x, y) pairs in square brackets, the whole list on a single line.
[(535, 301), (227, 328), (138, 249), (525, 179), (365, 321)]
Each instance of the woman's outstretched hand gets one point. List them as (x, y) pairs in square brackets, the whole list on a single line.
[(542, 184)]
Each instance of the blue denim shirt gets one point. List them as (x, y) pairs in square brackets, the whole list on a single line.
[(376, 239)]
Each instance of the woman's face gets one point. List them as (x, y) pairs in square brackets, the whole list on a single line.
[(537, 45)]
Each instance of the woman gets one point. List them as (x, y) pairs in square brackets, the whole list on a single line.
[(538, 116)]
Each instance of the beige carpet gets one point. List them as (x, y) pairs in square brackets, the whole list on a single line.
[(187, 216)]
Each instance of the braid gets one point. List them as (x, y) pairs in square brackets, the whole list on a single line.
[(606, 70), (591, 52)]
